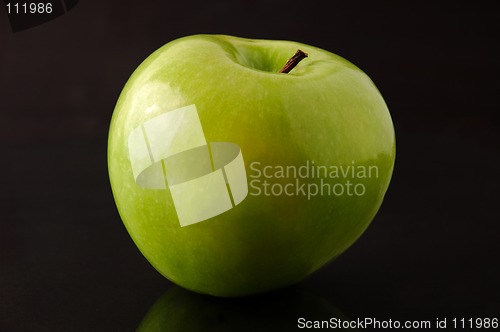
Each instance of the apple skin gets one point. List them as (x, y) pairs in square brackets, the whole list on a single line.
[(325, 110)]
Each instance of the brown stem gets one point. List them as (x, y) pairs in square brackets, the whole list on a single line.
[(294, 60)]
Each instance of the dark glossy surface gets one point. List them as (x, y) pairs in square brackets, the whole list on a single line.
[(66, 261)]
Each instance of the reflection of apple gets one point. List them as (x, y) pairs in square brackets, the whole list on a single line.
[(182, 310), (324, 112)]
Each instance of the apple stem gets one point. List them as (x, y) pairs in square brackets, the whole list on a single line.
[(294, 60)]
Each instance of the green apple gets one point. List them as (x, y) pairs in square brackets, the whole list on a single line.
[(234, 178)]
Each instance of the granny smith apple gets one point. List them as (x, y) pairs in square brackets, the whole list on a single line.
[(240, 166)]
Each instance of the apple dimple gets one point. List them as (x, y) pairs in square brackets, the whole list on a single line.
[(259, 56)]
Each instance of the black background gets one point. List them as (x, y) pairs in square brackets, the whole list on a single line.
[(67, 262)]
